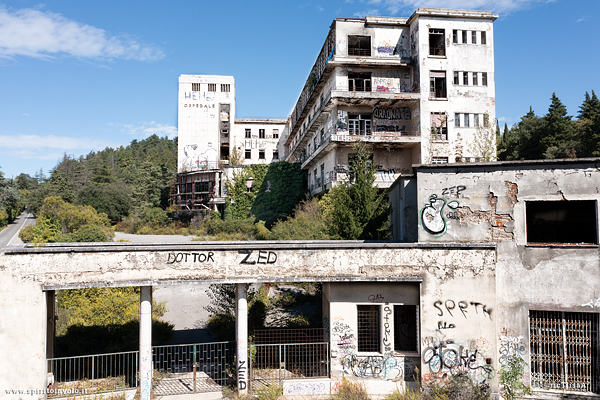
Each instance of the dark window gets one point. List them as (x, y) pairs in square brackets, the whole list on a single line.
[(455, 36), (474, 37), (261, 154), (248, 134), (248, 154), (437, 84), (359, 82), (484, 78), (275, 133), (476, 120), (368, 328), (224, 151), (261, 133), (465, 78), (405, 328), (483, 38), (436, 42), (566, 222), (467, 118), (275, 155), (456, 79), (195, 87), (464, 36), (563, 351), (225, 87), (457, 120), (212, 87), (359, 45), (475, 79)]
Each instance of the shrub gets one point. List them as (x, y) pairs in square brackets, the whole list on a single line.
[(270, 392), (511, 379), (3, 218), (349, 390)]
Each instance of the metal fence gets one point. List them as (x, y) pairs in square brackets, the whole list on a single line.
[(277, 362), (69, 376), (191, 368), (289, 335)]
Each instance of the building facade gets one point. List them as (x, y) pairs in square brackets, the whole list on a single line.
[(414, 90)]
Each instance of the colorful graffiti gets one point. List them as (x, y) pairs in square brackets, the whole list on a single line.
[(432, 214), (445, 358)]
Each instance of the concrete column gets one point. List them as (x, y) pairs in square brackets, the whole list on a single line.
[(50, 322), (241, 332), (145, 342)]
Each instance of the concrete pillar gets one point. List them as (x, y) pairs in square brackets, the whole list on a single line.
[(145, 342), (50, 322), (241, 332)]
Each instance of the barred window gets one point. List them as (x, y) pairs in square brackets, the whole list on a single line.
[(212, 87), (195, 87), (225, 87), (368, 328), (248, 133), (564, 351)]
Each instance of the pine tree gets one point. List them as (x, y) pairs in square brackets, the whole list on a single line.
[(588, 126), (558, 130)]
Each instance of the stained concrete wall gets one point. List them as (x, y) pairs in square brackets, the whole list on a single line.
[(487, 203), (26, 273)]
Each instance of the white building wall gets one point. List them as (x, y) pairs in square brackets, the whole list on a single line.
[(200, 119), (256, 144)]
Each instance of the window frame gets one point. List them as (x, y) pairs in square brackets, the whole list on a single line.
[(261, 154), (212, 87), (362, 48), (248, 133), (473, 37), (483, 37), (248, 154), (437, 46), (261, 133), (559, 228), (275, 133)]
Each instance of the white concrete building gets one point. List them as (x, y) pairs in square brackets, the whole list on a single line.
[(256, 140), (413, 89)]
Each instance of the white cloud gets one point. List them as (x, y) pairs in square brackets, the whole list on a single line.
[(148, 129), (34, 33), (29, 144), (497, 6), (363, 14)]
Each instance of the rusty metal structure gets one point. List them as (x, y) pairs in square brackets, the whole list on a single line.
[(197, 191)]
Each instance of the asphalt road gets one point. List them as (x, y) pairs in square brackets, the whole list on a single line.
[(9, 235)]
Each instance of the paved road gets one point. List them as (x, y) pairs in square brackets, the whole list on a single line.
[(9, 235)]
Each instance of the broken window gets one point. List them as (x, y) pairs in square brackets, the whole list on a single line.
[(484, 78), (248, 134), (475, 79), (275, 133), (437, 84), (195, 87), (359, 46), (464, 36), (212, 87), (261, 133), (368, 328), (474, 37), (564, 350), (439, 127), (359, 82), (224, 151), (455, 36), (456, 79), (261, 154), (405, 328), (225, 87), (436, 42), (561, 222), (483, 38), (359, 124), (248, 154)]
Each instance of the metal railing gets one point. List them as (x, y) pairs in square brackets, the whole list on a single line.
[(191, 368), (68, 376), (278, 362), (288, 335)]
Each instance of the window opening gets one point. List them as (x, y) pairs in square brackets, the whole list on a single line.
[(248, 154), (275, 133), (456, 79), (465, 78), (483, 37), (475, 79), (437, 84), (475, 120), (474, 37), (368, 328), (561, 222), (212, 87), (275, 155), (484, 78), (195, 87), (359, 45), (359, 82), (248, 134), (457, 120), (225, 87), (439, 127), (359, 124), (464, 37), (564, 350), (261, 154), (261, 133), (467, 120), (455, 36), (405, 328), (436, 42)]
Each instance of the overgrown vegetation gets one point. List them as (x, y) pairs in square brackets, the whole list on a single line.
[(511, 379), (13, 194), (554, 135)]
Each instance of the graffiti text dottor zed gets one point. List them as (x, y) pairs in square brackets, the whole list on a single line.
[(190, 257)]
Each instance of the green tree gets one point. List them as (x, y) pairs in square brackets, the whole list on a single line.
[(511, 379), (113, 199), (558, 133), (307, 223), (588, 127), (358, 209), (485, 140)]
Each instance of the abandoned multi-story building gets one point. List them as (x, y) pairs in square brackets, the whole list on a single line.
[(209, 134), (415, 90)]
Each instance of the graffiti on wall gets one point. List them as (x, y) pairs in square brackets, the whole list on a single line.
[(306, 389), (432, 215), (451, 307), (511, 346), (342, 122), (593, 303), (444, 358)]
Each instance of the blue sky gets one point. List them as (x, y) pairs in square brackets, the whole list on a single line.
[(78, 76)]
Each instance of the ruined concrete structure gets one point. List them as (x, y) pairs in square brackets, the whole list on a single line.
[(415, 90), (491, 261)]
